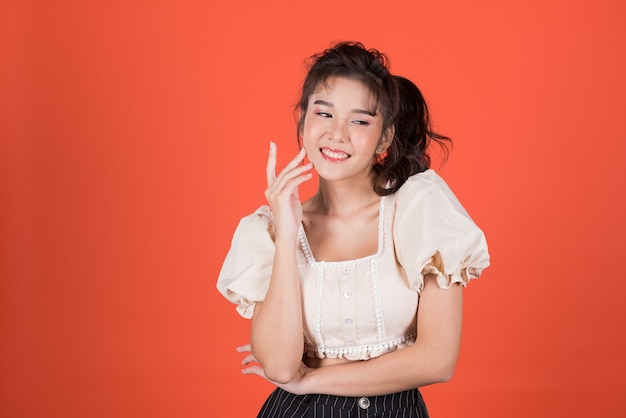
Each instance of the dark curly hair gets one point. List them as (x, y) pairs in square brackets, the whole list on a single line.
[(408, 152), (400, 102)]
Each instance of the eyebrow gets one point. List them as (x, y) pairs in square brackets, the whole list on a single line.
[(359, 111)]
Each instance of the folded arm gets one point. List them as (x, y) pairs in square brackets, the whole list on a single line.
[(431, 359)]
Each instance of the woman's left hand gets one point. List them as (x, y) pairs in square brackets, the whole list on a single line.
[(297, 385)]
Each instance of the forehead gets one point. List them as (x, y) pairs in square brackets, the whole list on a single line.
[(344, 90)]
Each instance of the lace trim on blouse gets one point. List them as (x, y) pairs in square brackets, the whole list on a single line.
[(361, 352)]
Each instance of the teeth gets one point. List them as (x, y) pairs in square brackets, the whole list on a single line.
[(335, 155)]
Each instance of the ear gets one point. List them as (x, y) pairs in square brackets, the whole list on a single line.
[(385, 140)]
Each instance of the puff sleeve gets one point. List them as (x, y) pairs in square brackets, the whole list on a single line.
[(433, 234), (247, 269)]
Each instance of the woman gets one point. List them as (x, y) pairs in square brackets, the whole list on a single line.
[(332, 284)]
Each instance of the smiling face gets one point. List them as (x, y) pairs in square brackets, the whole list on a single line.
[(342, 130)]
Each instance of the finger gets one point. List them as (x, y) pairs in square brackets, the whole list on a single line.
[(244, 348), (270, 169), (293, 163), (290, 186), (257, 370), (248, 359), (292, 173), (286, 180)]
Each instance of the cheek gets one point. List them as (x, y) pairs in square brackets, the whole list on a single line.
[(311, 131)]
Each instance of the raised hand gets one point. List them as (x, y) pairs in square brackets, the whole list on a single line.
[(282, 192)]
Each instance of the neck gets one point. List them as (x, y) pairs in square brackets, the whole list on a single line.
[(343, 197)]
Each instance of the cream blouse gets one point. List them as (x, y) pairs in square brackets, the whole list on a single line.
[(363, 308)]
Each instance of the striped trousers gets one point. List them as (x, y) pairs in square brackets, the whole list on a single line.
[(283, 404)]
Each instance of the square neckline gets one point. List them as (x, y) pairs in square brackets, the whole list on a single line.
[(310, 257)]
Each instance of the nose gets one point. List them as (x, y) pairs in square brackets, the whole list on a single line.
[(337, 131)]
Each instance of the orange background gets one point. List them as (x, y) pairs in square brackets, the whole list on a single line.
[(134, 136)]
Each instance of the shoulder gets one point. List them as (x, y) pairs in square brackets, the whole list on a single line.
[(263, 214), (425, 187), (423, 183), (262, 217), (255, 227), (426, 203)]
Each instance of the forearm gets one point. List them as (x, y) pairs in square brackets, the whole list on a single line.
[(431, 359), (277, 336), (411, 367)]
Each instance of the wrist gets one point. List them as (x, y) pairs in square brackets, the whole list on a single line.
[(286, 241), (310, 381)]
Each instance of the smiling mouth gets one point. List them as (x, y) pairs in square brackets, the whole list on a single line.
[(334, 155)]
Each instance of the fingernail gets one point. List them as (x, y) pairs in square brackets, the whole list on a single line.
[(272, 145)]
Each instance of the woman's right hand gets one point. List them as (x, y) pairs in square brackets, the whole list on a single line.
[(282, 192)]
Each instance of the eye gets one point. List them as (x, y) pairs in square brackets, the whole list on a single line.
[(361, 122), (324, 114)]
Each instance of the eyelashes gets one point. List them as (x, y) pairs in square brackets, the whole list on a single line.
[(327, 115)]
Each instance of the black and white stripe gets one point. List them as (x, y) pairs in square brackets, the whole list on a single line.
[(283, 404)]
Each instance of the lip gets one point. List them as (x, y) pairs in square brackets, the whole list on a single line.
[(339, 157)]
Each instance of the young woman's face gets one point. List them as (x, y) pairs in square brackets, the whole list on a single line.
[(342, 129)]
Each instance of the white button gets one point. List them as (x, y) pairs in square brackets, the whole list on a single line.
[(347, 271), (347, 294), (348, 321), (364, 403)]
